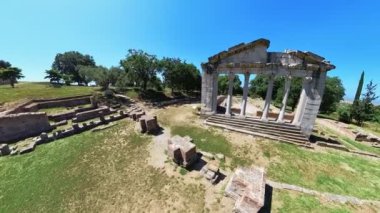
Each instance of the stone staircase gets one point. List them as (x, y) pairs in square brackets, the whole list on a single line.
[(276, 131)]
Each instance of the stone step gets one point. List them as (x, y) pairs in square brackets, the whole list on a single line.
[(271, 130), (253, 120), (299, 142), (256, 124), (278, 131), (298, 137)]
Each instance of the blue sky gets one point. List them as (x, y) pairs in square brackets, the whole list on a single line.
[(345, 32)]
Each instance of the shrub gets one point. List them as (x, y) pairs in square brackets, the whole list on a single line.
[(344, 114)]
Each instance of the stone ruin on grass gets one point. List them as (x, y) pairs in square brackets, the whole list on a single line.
[(247, 188), (182, 150), (211, 171), (23, 122), (149, 124)]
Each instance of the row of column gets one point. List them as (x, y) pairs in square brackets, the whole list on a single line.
[(268, 97)]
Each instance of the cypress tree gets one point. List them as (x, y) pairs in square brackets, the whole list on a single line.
[(360, 87)]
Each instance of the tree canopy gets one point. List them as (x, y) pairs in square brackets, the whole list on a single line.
[(334, 91), (9, 73), (140, 66), (179, 75), (223, 85), (68, 64), (364, 109), (12, 74)]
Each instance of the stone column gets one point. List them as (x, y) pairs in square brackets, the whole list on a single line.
[(268, 98), (288, 80), (245, 94), (231, 77), (302, 101), (215, 92)]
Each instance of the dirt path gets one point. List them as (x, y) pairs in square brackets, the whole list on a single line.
[(157, 149)]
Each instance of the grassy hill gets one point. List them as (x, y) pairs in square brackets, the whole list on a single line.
[(36, 90)]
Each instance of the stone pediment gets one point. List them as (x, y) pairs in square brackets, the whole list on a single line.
[(254, 55), (254, 51)]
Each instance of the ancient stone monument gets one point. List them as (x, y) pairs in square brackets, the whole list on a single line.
[(182, 150), (247, 188), (253, 58), (149, 124)]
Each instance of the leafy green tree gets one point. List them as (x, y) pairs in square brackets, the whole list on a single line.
[(86, 73), (68, 64), (344, 113), (334, 93), (189, 78), (123, 82), (170, 72), (114, 74), (11, 74), (294, 93), (102, 77), (54, 76), (364, 110), (360, 87), (4, 64), (179, 75), (223, 85), (140, 66), (258, 86), (67, 78)]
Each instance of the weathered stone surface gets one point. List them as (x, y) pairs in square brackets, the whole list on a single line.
[(149, 124), (28, 148), (87, 115), (363, 136), (182, 151), (4, 149), (23, 125), (247, 187), (211, 171), (208, 155)]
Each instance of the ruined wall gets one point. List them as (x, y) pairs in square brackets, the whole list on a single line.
[(23, 125), (87, 115), (35, 105), (65, 102)]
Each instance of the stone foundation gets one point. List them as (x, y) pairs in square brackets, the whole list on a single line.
[(23, 125)]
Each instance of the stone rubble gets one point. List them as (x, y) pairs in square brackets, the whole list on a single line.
[(211, 171), (247, 188)]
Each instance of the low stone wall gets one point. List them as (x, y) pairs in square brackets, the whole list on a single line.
[(69, 114), (23, 125), (35, 105), (87, 115), (65, 102), (78, 128)]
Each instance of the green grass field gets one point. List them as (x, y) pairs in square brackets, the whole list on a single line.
[(28, 91), (335, 172), (287, 201), (104, 171)]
